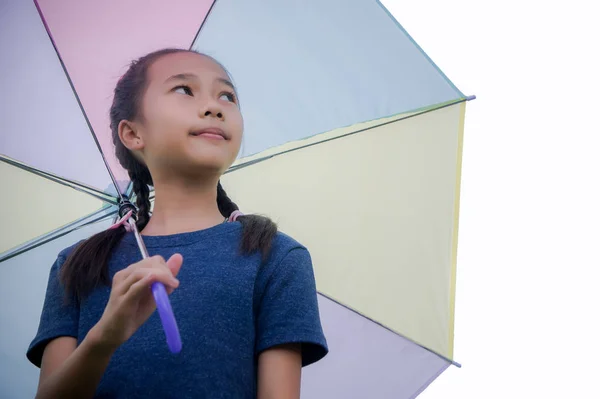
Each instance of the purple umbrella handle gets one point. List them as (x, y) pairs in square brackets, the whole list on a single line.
[(163, 305)]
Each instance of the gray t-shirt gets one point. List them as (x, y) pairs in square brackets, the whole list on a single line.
[(229, 307)]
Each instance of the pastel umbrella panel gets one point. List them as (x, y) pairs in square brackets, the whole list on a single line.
[(353, 143)]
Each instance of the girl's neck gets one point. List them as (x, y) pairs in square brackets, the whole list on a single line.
[(181, 207)]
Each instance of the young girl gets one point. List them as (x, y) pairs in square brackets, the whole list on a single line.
[(243, 294)]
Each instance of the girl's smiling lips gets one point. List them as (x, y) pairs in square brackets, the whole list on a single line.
[(211, 132)]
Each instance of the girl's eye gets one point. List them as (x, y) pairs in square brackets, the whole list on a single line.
[(227, 96), (184, 90)]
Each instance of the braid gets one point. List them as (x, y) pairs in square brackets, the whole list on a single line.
[(140, 178), (258, 232), (142, 193)]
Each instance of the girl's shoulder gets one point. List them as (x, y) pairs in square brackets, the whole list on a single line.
[(64, 254), (284, 243)]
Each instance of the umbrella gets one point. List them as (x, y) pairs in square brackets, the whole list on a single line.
[(353, 144)]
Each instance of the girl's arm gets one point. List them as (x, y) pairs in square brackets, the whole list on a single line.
[(72, 372), (279, 370)]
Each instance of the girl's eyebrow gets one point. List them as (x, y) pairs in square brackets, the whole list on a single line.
[(181, 76), (226, 82), (191, 76)]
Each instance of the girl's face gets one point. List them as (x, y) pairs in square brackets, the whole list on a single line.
[(190, 121)]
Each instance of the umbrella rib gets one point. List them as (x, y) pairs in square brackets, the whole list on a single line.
[(429, 381), (265, 158), (87, 121), (53, 235), (202, 24), (388, 329), (61, 180), (129, 189)]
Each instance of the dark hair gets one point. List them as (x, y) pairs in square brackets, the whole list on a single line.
[(87, 265)]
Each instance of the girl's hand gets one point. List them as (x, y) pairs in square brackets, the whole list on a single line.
[(131, 301)]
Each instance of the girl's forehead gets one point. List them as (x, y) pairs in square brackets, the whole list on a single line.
[(185, 63)]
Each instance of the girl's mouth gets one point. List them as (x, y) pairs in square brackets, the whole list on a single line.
[(210, 133)]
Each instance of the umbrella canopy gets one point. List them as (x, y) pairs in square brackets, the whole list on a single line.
[(352, 143)]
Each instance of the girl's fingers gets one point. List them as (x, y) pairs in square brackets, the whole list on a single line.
[(145, 278), (126, 277), (160, 271), (123, 274), (174, 263), (139, 287)]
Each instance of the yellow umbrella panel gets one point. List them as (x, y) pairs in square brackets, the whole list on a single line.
[(34, 205), (377, 206)]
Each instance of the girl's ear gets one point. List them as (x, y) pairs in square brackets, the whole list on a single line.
[(129, 136)]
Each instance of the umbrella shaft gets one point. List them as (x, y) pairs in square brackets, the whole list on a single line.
[(138, 239)]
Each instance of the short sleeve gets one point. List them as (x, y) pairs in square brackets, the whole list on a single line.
[(59, 317), (288, 310)]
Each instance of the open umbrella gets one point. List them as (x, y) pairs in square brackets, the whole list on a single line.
[(353, 144)]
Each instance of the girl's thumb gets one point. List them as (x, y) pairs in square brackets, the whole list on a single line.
[(174, 263)]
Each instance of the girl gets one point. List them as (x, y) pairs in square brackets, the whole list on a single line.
[(243, 294)]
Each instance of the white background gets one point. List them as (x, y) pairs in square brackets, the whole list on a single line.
[(528, 285)]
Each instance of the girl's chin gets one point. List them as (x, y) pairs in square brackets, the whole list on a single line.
[(209, 162), (199, 158)]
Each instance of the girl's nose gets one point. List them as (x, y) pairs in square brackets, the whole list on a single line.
[(213, 111)]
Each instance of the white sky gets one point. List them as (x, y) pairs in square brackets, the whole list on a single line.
[(528, 287)]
